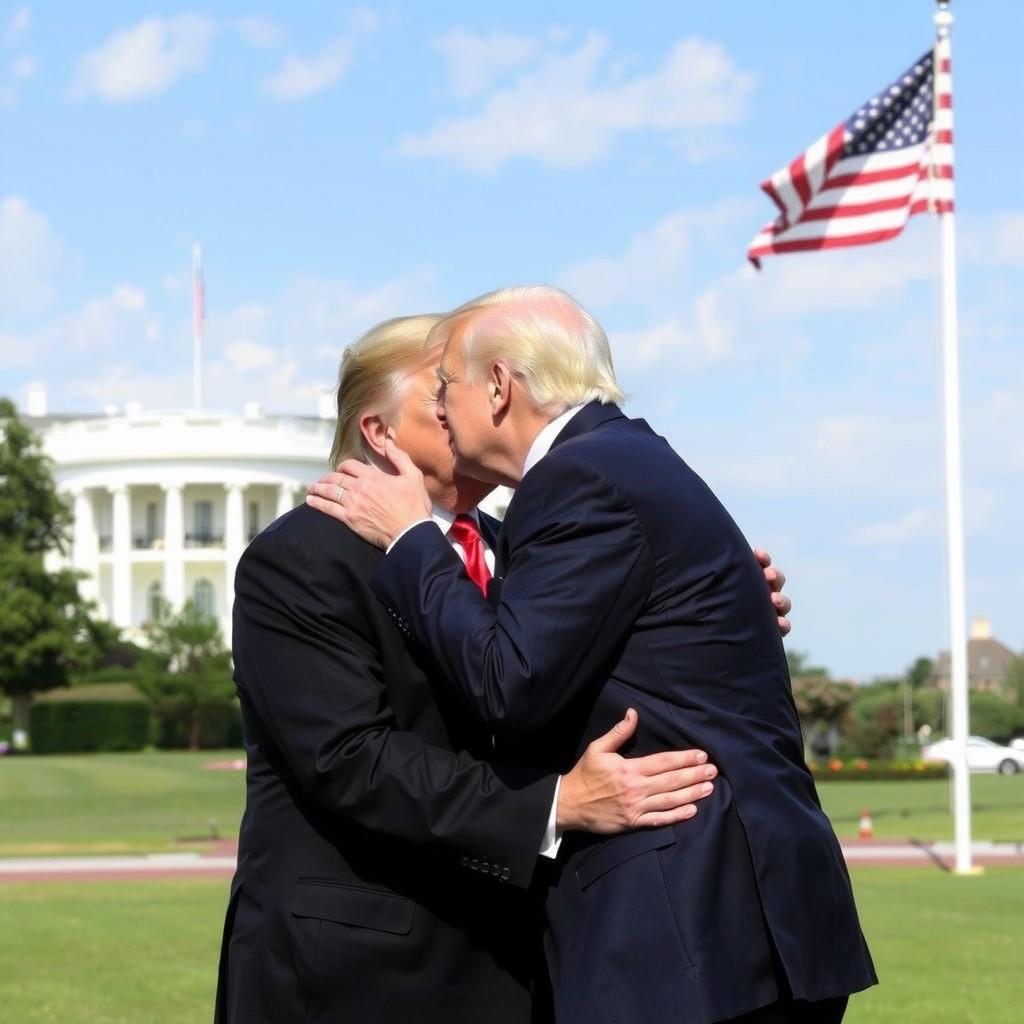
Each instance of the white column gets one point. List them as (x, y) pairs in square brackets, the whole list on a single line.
[(285, 499), (122, 556), (174, 546), (234, 543), (85, 549)]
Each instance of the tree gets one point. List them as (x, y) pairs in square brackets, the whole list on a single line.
[(46, 632), (187, 670), (821, 703), (1014, 685), (921, 673), (799, 665)]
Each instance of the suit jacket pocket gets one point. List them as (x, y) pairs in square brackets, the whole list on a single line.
[(613, 852), (328, 900)]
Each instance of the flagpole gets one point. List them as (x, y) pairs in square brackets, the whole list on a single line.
[(198, 315), (958, 696)]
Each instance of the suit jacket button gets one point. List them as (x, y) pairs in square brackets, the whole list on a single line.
[(475, 864), (506, 874), (495, 870)]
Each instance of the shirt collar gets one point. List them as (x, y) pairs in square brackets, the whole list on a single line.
[(546, 438), (444, 518)]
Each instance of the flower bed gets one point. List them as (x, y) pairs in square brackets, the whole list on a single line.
[(860, 769)]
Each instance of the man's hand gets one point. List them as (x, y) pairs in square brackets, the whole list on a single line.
[(607, 793), (776, 579), (377, 504)]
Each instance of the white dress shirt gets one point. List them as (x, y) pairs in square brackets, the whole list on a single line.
[(546, 438), (443, 519)]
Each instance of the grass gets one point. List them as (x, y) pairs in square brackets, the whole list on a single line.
[(110, 952), (947, 949), (151, 801), (921, 809), (116, 803)]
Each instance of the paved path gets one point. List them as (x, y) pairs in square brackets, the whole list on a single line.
[(219, 862)]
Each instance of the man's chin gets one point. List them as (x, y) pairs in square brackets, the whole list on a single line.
[(474, 471)]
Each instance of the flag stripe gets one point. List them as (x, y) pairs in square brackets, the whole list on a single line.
[(862, 181)]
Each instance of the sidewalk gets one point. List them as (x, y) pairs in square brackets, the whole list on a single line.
[(220, 862)]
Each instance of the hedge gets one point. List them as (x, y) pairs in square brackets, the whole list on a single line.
[(860, 770), (113, 716), (220, 727)]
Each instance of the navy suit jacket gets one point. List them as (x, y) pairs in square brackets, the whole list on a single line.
[(383, 866), (623, 582)]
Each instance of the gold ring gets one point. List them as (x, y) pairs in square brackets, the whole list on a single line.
[(341, 491)]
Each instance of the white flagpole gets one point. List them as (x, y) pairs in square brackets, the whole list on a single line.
[(198, 316), (958, 696)]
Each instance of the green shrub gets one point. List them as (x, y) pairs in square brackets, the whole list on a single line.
[(111, 716)]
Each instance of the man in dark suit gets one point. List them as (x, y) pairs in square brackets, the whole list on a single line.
[(385, 863), (624, 582)]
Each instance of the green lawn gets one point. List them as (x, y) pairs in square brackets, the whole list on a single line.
[(920, 809), (120, 803), (947, 949), (110, 952), (115, 803)]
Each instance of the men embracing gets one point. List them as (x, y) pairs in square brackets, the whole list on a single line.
[(619, 581), (392, 864)]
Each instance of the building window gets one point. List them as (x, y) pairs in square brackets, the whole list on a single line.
[(204, 520), (202, 596), (152, 523), (254, 519), (155, 601)]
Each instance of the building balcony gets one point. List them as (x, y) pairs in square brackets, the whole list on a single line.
[(204, 540), (105, 542), (147, 543)]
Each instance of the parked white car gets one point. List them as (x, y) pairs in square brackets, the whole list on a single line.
[(982, 755)]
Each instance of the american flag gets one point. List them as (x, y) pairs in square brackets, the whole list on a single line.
[(862, 181)]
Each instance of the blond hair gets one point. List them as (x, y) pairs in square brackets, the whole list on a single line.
[(372, 373), (556, 349)]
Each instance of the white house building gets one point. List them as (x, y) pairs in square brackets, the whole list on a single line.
[(165, 502)]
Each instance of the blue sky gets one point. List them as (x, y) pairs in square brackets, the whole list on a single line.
[(343, 164)]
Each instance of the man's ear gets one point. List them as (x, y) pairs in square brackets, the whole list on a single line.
[(374, 429), (499, 388)]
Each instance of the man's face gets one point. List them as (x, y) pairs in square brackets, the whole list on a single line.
[(463, 408), (420, 434)]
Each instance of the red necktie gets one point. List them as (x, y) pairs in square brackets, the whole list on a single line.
[(466, 532)]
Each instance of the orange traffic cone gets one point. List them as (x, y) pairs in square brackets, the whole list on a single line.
[(866, 829)]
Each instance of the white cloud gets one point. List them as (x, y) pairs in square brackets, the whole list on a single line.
[(30, 254), (17, 26), (282, 352), (473, 63), (145, 60), (105, 323), (707, 339), (996, 241), (916, 524), (300, 77), (259, 31), (654, 260), (245, 356), (568, 110)]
